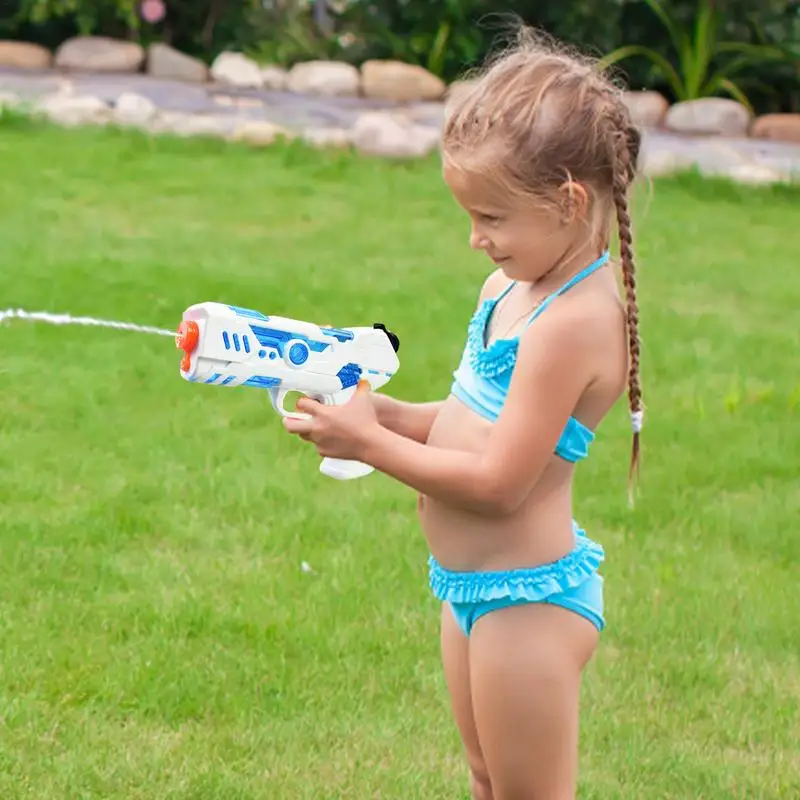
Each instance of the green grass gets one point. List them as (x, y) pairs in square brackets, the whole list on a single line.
[(158, 637)]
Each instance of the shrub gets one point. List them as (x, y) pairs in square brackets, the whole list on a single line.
[(460, 33)]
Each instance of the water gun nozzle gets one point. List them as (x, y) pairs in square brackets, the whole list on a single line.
[(186, 339)]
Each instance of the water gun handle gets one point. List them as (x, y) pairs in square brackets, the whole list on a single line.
[(339, 468)]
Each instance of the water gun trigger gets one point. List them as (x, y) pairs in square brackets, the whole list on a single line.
[(278, 398)]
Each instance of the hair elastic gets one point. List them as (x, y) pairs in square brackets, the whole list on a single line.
[(637, 420)]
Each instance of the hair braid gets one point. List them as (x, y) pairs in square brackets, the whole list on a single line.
[(625, 157), (540, 110)]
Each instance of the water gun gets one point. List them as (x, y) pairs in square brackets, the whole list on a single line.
[(226, 345)]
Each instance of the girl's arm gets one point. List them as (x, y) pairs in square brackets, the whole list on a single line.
[(555, 363), (409, 420)]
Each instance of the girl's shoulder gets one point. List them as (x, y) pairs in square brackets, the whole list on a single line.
[(494, 285)]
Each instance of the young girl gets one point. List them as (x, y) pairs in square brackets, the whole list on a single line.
[(540, 153)]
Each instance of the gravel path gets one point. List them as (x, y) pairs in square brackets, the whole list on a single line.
[(662, 150)]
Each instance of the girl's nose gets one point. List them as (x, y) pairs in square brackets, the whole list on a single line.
[(477, 240)]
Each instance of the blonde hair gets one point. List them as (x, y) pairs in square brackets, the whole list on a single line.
[(538, 115)]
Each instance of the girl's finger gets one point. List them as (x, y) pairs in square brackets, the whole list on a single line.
[(299, 426), (308, 406)]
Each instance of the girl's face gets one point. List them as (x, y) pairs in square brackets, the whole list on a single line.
[(522, 237)]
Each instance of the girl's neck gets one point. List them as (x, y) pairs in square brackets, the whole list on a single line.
[(571, 262)]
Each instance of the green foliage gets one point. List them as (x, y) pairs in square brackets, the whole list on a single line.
[(697, 51), (446, 43), (89, 15), (779, 26), (749, 49), (287, 33), (593, 24)]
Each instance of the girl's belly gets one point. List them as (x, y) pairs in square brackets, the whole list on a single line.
[(538, 532)]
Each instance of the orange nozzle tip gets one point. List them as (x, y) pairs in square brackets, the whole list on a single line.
[(187, 337)]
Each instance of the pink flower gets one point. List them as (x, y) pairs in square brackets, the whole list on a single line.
[(153, 11)]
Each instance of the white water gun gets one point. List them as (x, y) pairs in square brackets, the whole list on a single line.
[(225, 345)]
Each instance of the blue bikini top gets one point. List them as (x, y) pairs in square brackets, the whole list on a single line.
[(482, 379)]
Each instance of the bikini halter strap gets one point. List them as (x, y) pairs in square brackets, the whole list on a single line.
[(577, 278)]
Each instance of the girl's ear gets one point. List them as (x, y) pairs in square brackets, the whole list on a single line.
[(572, 201)]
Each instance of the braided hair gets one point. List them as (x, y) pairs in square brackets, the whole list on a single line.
[(539, 114)]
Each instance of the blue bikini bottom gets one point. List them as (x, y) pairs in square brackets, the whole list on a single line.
[(573, 582)]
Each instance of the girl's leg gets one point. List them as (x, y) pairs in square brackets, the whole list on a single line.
[(455, 658), (525, 674)]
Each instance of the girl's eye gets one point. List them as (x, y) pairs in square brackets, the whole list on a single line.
[(489, 218)]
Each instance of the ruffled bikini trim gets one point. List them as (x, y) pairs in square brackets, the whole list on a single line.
[(534, 584), (500, 356)]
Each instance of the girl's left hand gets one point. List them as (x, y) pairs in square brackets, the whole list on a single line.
[(337, 431)]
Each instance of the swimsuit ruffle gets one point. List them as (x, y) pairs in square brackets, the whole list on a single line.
[(533, 584), (500, 356)]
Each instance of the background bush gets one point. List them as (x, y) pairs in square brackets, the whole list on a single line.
[(446, 37)]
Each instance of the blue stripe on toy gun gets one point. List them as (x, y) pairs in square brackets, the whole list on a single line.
[(340, 334), (234, 340), (349, 375), (247, 312), (277, 339), (262, 382)]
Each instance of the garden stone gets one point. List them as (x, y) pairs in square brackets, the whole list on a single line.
[(164, 61), (236, 69), (426, 113), (710, 115), (259, 134), (133, 109), (9, 100), (756, 174), (400, 82), (24, 55), (71, 110), (655, 162), (327, 137), (715, 158), (275, 78), (331, 78), (99, 54), (190, 125), (777, 127), (384, 134), (647, 109)]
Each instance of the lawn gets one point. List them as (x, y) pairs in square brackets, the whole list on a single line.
[(159, 636)]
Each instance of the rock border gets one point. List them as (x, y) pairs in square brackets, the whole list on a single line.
[(377, 79), (389, 134), (394, 134), (384, 108)]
